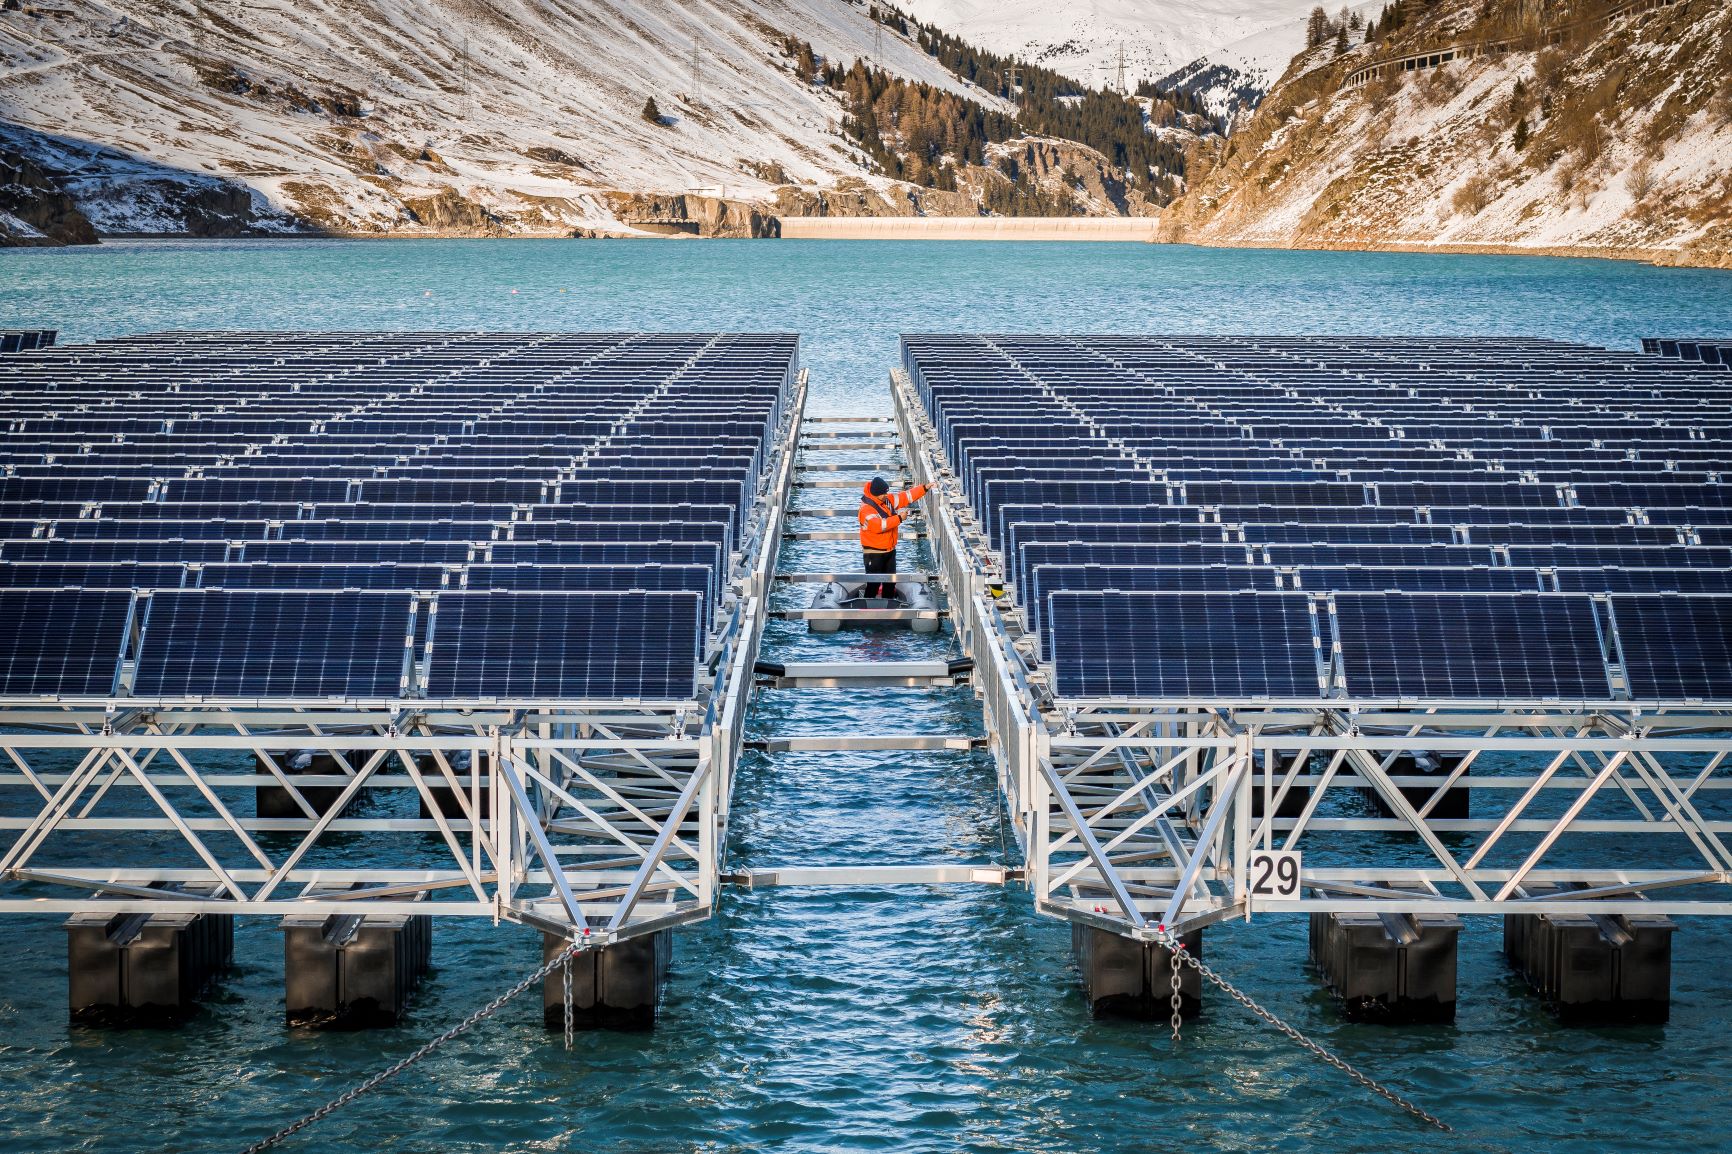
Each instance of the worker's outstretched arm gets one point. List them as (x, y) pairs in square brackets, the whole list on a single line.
[(908, 496)]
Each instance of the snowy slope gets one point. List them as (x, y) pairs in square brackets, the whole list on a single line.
[(1083, 38), (1432, 159), (350, 113), (1235, 76)]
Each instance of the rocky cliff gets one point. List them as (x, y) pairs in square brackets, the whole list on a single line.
[(1490, 125)]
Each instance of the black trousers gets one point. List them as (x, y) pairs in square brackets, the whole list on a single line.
[(879, 561)]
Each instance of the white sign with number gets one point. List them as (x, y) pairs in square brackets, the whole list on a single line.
[(1274, 873)]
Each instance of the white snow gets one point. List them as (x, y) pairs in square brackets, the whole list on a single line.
[(1083, 38), (471, 86)]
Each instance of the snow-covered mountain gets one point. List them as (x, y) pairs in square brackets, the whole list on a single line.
[(1084, 39), (456, 115), (1619, 144)]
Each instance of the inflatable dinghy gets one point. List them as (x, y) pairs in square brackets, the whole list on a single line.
[(836, 595)]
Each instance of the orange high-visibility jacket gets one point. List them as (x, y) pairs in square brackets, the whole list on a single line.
[(878, 519)]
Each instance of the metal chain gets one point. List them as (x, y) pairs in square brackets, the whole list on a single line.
[(567, 969), (392, 1071), (1178, 949), (1177, 1001)]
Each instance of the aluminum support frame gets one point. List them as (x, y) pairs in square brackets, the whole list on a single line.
[(593, 820), (1133, 816)]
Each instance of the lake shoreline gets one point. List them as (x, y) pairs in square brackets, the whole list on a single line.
[(1026, 230)]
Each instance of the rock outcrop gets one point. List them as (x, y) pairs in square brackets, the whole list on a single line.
[(35, 209)]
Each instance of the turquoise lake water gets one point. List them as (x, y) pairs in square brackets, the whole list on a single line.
[(897, 1020)]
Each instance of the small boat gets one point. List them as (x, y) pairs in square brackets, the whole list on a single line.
[(840, 596)]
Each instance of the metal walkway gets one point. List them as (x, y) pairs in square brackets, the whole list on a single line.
[(871, 445)]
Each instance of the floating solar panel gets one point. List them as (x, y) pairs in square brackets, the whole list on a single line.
[(95, 575), (1370, 578), (85, 551), (257, 644), (1480, 647), (65, 642), (1644, 580), (1232, 646), (534, 646), (266, 575), (1404, 465), (1676, 648)]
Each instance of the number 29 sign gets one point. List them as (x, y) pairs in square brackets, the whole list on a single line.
[(1274, 874)]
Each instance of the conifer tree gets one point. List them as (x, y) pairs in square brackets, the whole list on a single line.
[(1316, 27), (650, 112)]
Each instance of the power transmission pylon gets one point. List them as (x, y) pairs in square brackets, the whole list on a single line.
[(877, 42), (697, 69), (1122, 66)]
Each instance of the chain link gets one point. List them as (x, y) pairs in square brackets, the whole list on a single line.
[(567, 978), (392, 1071), (1177, 1001), (1177, 947)]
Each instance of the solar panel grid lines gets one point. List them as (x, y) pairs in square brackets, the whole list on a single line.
[(1361, 467), (564, 645), (1184, 646), (257, 644), (1492, 647), (318, 464), (66, 642), (1675, 648)]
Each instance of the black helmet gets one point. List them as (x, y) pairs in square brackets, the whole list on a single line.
[(878, 487)]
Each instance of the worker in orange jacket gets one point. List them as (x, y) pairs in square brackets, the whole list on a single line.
[(878, 524)]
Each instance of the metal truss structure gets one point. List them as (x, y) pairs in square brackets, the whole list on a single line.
[(1150, 818), (591, 820)]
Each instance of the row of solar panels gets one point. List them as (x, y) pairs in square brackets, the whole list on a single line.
[(1063, 574), (26, 340), (1395, 647), (1448, 508), (238, 524), (511, 518), (1151, 538), (689, 567), (1709, 351), (245, 644)]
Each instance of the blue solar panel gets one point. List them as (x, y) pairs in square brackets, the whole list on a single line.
[(251, 644), (1676, 648), (94, 575), (1644, 580), (1387, 556), (1045, 580), (1629, 557), (1040, 553), (534, 646), (1237, 646), (85, 550), (356, 552), (697, 579), (1495, 647), (65, 642), (272, 575), (1374, 534), (1359, 578)]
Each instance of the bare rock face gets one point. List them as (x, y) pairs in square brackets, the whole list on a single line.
[(676, 214), (449, 211), (218, 210), (32, 197), (855, 198)]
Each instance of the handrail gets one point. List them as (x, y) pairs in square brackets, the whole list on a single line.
[(1375, 68)]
